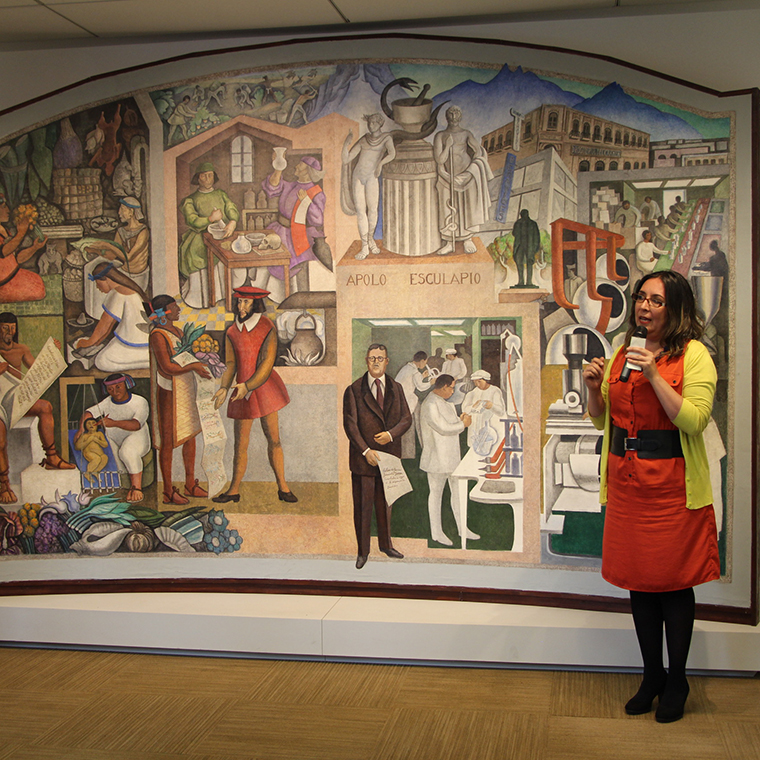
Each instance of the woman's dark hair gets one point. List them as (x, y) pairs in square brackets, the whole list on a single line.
[(683, 322), (107, 271)]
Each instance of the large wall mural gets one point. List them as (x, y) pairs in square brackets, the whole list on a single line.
[(202, 281)]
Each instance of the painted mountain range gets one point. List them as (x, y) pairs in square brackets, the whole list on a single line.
[(615, 104), (524, 91), (355, 89), (518, 89)]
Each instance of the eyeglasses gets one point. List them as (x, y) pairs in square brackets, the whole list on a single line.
[(655, 302), (377, 359)]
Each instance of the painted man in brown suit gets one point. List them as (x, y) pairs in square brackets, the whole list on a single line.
[(375, 416)]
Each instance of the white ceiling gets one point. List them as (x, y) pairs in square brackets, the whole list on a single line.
[(28, 21)]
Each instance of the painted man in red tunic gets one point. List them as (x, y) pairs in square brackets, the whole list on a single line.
[(258, 392)]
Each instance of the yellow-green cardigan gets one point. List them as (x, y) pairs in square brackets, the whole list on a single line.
[(699, 378)]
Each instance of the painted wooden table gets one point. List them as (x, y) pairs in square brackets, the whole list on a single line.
[(472, 467), (231, 260)]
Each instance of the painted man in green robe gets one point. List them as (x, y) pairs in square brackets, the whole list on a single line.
[(205, 206), (527, 245)]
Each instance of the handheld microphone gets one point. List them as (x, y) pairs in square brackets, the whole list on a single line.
[(638, 339)]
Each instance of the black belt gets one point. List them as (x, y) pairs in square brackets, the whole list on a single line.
[(650, 444)]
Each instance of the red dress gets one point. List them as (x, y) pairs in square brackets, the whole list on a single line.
[(271, 395), (17, 284), (652, 542)]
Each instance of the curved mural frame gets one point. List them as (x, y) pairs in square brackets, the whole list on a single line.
[(373, 229)]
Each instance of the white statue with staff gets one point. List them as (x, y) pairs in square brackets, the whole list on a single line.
[(462, 186)]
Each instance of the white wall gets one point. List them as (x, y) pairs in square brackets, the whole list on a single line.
[(713, 44)]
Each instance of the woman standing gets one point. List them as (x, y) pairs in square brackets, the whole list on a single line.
[(122, 316), (176, 391), (660, 537)]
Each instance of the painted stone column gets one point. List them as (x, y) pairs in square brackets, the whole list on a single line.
[(410, 205)]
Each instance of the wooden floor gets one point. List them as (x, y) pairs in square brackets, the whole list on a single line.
[(113, 706)]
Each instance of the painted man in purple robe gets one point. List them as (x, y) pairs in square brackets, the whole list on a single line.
[(300, 222)]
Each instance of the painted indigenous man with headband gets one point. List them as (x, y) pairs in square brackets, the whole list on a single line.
[(124, 416), (258, 392), (131, 245), (301, 219), (176, 390), (15, 357)]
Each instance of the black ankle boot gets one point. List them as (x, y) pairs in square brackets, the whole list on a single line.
[(672, 701), (651, 686)]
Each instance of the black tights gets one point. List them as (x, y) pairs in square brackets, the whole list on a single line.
[(676, 610)]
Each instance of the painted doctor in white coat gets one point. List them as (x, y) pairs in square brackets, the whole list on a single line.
[(441, 428), (413, 376)]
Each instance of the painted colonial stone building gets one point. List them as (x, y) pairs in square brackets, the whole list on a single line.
[(689, 152), (584, 142)]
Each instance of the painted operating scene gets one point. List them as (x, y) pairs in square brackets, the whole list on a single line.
[(342, 310)]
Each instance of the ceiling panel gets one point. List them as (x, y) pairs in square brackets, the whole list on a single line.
[(359, 11), (29, 23), (58, 3), (143, 17), (42, 20)]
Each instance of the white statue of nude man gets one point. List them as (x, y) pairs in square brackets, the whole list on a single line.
[(360, 188)]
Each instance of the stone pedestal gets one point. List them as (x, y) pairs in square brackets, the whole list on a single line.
[(38, 483), (410, 205), (24, 447)]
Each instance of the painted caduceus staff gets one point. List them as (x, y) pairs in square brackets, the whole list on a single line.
[(450, 223)]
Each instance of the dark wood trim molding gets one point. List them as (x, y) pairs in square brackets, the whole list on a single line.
[(718, 613), (755, 407)]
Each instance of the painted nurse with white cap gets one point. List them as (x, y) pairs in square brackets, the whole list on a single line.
[(483, 402)]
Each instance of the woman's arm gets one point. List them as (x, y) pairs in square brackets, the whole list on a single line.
[(24, 255), (690, 410), (593, 376), (12, 243), (102, 330), (699, 380)]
